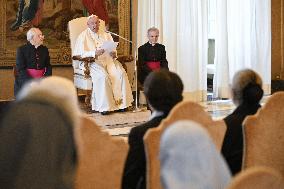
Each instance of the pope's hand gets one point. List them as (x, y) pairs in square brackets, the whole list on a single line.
[(113, 54), (100, 52)]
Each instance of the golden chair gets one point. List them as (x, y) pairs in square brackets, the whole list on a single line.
[(257, 177), (185, 110), (264, 135), (101, 157)]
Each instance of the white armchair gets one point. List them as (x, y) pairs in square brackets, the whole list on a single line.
[(82, 78)]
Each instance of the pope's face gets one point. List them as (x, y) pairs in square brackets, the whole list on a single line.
[(153, 36), (94, 24)]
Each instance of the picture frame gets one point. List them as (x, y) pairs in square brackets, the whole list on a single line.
[(54, 22)]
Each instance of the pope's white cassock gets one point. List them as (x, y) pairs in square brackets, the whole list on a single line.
[(111, 88)]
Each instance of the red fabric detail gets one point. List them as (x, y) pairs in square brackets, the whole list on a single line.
[(88, 4), (97, 7), (153, 65), (38, 16), (36, 73)]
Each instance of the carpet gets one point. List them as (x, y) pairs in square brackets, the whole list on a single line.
[(120, 123)]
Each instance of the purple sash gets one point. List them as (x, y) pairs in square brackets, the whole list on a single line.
[(34, 73)]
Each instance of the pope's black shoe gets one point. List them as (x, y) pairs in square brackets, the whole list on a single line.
[(105, 112), (122, 110)]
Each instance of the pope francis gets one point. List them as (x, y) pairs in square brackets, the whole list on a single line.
[(111, 88)]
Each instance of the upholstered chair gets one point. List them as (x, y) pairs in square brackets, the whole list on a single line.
[(257, 177), (184, 110), (101, 157), (264, 135)]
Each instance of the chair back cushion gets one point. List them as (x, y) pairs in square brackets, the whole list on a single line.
[(101, 157), (258, 177), (76, 26), (185, 110), (264, 135)]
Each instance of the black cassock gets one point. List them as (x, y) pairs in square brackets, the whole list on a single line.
[(150, 53), (29, 57)]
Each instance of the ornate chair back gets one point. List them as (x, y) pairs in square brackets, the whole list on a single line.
[(101, 157), (185, 110), (264, 135), (257, 177)]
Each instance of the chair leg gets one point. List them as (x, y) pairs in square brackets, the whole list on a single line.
[(88, 99)]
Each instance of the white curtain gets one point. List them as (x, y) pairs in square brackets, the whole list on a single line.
[(243, 40), (149, 15), (183, 30)]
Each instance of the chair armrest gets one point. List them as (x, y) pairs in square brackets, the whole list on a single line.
[(124, 59), (86, 61)]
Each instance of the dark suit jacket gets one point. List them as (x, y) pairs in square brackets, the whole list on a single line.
[(134, 175), (232, 148), (26, 59), (147, 53)]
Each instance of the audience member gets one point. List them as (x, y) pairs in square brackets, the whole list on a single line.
[(111, 88), (32, 60), (247, 93), (189, 159), (163, 90), (37, 146), (151, 55)]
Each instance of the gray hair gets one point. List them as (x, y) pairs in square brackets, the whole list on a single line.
[(241, 80), (91, 16), (31, 33), (152, 29)]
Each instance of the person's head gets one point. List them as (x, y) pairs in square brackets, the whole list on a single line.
[(40, 127), (35, 37), (189, 158), (93, 23), (56, 90), (163, 90), (247, 87), (153, 35)]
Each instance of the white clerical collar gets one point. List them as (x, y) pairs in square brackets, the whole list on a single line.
[(93, 34), (156, 114), (153, 44)]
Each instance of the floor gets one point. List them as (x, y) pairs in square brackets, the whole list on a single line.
[(119, 124)]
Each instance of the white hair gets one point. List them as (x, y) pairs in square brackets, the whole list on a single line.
[(91, 16), (31, 33), (152, 29)]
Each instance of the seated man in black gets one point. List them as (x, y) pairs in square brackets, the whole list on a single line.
[(163, 90), (32, 60), (151, 55), (247, 93)]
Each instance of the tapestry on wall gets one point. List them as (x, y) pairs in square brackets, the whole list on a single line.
[(52, 17)]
